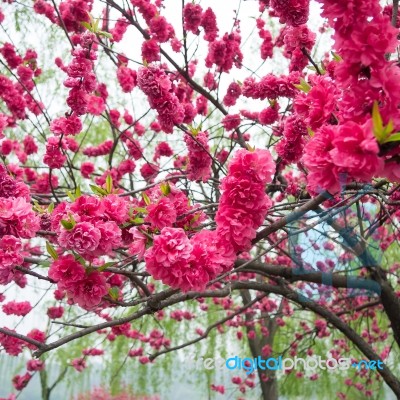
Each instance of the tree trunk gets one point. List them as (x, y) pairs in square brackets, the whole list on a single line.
[(43, 384), (269, 387)]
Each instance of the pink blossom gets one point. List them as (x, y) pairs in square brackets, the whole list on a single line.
[(257, 164), (126, 78), (192, 14), (149, 172), (55, 312), (87, 168), (292, 12), (54, 158), (126, 167), (96, 105), (244, 195), (88, 207), (160, 29), (323, 173), (71, 125), (356, 151), (10, 256), (66, 271), (269, 115), (37, 335), (7, 186), (20, 381), (101, 150), (161, 214), (89, 291), (200, 161), (10, 55), (92, 352), (119, 29), (17, 218), (110, 238), (11, 345), (318, 104), (79, 364), (209, 24), (138, 245), (17, 308), (170, 247), (151, 51), (156, 85), (162, 149), (30, 146), (115, 208), (35, 365), (370, 42), (84, 238), (233, 93)]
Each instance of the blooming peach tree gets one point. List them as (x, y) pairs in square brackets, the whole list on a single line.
[(159, 163)]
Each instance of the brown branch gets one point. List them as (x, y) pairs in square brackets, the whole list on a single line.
[(395, 12), (360, 308), (35, 274), (298, 274), (293, 216), (36, 343)]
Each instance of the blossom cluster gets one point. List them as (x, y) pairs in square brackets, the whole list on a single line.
[(18, 96), (17, 221), (81, 78), (189, 264), (85, 288), (346, 145), (200, 160), (244, 203), (155, 83), (89, 225)]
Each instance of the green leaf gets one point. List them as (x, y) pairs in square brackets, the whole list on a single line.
[(67, 224), (303, 86), (105, 34), (380, 131), (146, 198), (50, 208), (310, 132), (165, 188), (393, 138), (377, 123), (71, 195), (51, 250), (336, 56), (78, 192), (98, 190), (96, 25), (87, 26), (105, 266), (250, 148), (388, 129), (45, 264), (141, 210), (114, 293), (80, 259), (138, 221), (109, 184)]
